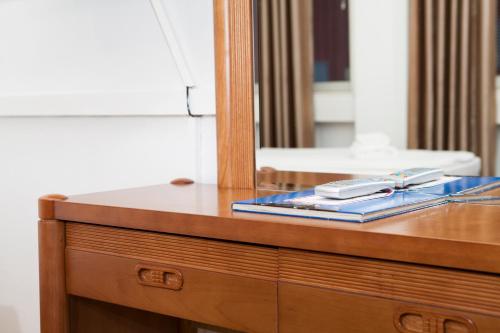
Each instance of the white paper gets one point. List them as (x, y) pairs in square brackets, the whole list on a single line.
[(318, 200)]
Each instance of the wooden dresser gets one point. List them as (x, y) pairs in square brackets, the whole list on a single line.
[(136, 260)]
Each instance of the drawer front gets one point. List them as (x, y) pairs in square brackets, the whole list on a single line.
[(218, 283), (434, 286), (321, 292), (319, 310)]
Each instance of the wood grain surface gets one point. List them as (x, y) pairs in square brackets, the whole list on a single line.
[(461, 236), (305, 309), (233, 23), (46, 205), (448, 288), (216, 256), (225, 300), (54, 311)]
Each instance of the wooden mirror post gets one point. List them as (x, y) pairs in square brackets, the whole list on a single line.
[(234, 93)]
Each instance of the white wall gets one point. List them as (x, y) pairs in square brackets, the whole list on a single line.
[(375, 99), (379, 60), (110, 57)]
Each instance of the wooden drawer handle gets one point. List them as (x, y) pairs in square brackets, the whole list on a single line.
[(161, 277), (420, 320)]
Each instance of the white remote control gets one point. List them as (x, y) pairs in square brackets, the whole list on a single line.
[(404, 178), (345, 189)]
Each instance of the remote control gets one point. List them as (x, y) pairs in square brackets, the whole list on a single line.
[(345, 189), (404, 178)]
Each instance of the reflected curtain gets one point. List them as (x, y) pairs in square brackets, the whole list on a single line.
[(452, 77), (286, 73)]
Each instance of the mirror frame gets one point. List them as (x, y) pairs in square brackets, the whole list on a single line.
[(233, 36)]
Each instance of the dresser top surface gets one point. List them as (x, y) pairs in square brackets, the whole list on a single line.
[(455, 235)]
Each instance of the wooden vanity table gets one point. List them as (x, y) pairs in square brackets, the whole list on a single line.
[(180, 251), (171, 258)]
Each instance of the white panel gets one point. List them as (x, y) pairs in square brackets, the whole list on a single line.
[(334, 134), (172, 42), (379, 60), (333, 106), (112, 48), (193, 24), (97, 103), (60, 45)]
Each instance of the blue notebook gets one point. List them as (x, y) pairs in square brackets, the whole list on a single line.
[(464, 185), (380, 205)]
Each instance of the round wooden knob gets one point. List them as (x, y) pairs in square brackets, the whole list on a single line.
[(46, 205), (182, 181), (267, 169), (268, 186)]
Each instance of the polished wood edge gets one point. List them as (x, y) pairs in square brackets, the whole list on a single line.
[(234, 93), (181, 181), (46, 205), (414, 76), (354, 242), (54, 308)]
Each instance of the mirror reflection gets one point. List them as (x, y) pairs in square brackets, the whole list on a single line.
[(371, 87)]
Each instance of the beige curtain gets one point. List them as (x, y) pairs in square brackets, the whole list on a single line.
[(286, 73), (452, 77)]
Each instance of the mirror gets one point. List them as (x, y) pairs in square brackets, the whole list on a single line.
[(370, 87)]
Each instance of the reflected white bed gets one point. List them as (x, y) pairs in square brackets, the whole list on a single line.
[(342, 160)]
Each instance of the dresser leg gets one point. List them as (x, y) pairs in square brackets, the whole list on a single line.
[(54, 312), (54, 308)]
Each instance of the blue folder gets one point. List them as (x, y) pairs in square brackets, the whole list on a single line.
[(401, 201)]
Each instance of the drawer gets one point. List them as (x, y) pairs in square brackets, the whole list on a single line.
[(321, 292), (305, 309), (218, 283)]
